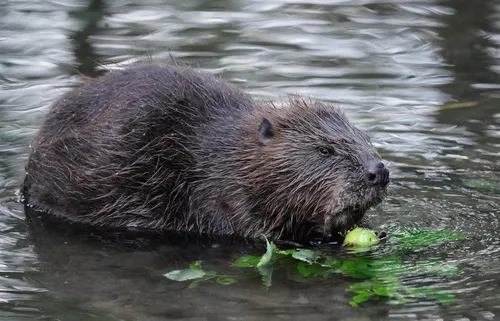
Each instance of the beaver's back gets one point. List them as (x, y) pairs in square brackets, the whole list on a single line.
[(118, 149)]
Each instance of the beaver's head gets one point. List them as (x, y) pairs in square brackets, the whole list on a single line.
[(313, 171)]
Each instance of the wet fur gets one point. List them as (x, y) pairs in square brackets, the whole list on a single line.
[(170, 148)]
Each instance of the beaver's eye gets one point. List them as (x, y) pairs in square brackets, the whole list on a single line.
[(324, 151)]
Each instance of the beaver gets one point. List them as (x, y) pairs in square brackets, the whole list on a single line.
[(170, 148)]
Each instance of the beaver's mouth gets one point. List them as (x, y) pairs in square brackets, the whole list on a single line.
[(343, 221), (336, 225), (331, 225)]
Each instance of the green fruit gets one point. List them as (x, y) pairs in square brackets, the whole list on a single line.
[(361, 237)]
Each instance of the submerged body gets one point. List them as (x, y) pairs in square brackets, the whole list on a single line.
[(168, 148)]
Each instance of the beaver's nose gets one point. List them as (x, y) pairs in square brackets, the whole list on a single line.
[(377, 174)]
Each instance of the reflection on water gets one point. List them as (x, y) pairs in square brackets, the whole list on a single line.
[(396, 67)]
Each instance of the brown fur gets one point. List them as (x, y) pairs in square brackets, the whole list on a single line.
[(169, 148)]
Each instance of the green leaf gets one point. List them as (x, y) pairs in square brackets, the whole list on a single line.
[(386, 267), (382, 275), (266, 272), (185, 275), (332, 263), (357, 268), (303, 269), (444, 298), (225, 280), (415, 238), (266, 258), (195, 265), (360, 298), (211, 273), (391, 283), (313, 270), (384, 291), (287, 252), (247, 261), (195, 283), (361, 287), (306, 255), (385, 262), (398, 298)]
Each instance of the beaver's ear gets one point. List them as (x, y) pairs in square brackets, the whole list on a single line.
[(267, 130)]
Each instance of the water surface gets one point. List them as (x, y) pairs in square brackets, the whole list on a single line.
[(420, 76)]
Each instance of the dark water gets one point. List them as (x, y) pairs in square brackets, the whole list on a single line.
[(392, 65)]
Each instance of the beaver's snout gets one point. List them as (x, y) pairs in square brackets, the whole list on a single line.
[(377, 174)]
